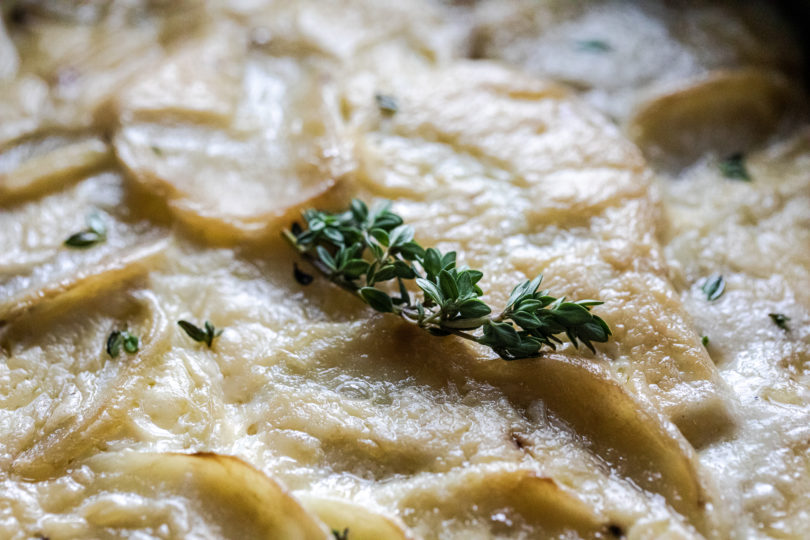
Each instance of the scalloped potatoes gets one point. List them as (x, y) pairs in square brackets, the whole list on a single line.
[(197, 130)]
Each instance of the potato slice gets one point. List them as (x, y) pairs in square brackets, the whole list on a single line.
[(361, 523), (39, 266), (279, 152), (50, 168), (725, 112), (200, 80), (510, 498), (533, 183), (183, 496), (23, 104), (64, 395), (616, 54)]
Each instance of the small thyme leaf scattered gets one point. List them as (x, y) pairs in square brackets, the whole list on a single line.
[(387, 104), (121, 338), (593, 45), (733, 167), (204, 335), (95, 232), (705, 341), (372, 254), (341, 535), (780, 320), (156, 150), (714, 287), (300, 276)]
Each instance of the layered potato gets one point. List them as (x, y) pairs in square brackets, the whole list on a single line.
[(630, 152)]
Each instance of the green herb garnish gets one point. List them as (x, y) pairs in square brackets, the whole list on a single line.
[(119, 339), (593, 45), (780, 320), (714, 287), (734, 167), (95, 232), (387, 104), (361, 249), (204, 335), (341, 535), (705, 341)]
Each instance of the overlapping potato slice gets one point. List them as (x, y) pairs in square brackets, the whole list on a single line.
[(722, 113), (497, 195), (362, 409), (510, 498), (279, 151), (38, 267), (756, 235), (360, 523), (85, 65), (157, 495), (41, 164), (201, 79), (23, 102), (618, 53), (62, 395), (356, 32)]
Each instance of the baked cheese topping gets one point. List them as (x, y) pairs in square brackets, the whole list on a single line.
[(180, 138)]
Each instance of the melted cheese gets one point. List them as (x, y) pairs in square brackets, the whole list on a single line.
[(311, 413)]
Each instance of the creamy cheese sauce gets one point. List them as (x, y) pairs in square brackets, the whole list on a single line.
[(197, 130)]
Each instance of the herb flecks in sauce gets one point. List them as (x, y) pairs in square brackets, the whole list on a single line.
[(780, 320), (593, 46), (733, 167), (121, 339), (359, 249), (95, 232), (387, 104), (203, 335), (714, 287)]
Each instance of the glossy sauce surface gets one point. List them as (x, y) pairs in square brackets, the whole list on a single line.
[(312, 413)]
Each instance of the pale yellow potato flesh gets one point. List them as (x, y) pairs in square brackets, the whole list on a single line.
[(199, 130), (618, 54)]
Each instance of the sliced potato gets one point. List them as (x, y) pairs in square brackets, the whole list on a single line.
[(616, 53), (509, 498), (53, 168), (499, 186), (279, 152), (200, 80), (65, 395), (39, 266), (726, 112), (183, 496), (361, 523)]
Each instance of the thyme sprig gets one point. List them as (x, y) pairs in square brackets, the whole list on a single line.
[(371, 253)]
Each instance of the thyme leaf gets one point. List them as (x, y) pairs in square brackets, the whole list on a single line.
[(714, 287), (204, 335), (95, 232), (733, 167), (780, 320), (121, 339), (387, 104)]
